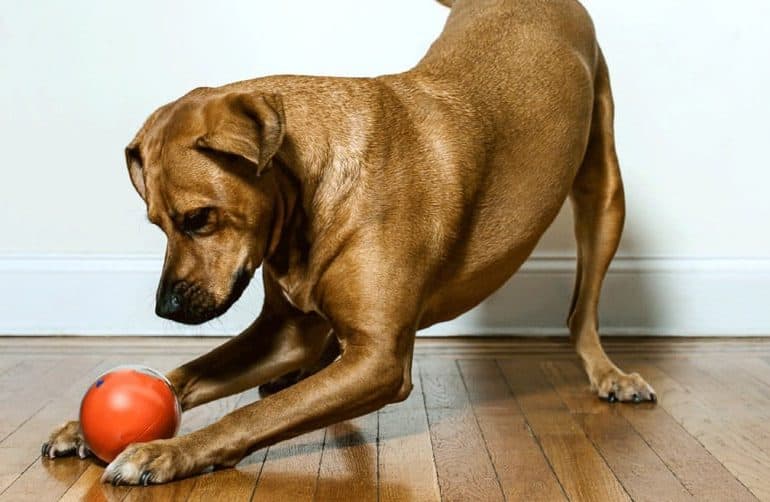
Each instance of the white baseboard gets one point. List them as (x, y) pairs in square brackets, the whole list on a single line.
[(114, 295)]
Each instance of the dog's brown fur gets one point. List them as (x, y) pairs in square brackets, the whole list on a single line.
[(375, 207)]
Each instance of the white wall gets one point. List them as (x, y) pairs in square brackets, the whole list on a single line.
[(77, 79)]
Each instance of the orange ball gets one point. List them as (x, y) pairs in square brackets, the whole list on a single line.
[(128, 404)]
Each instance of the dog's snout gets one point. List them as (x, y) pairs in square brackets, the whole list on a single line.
[(186, 302), (169, 305)]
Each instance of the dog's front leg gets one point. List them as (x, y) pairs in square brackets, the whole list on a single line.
[(280, 341), (373, 371), (268, 349)]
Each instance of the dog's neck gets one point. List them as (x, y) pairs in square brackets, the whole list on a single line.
[(326, 158), (286, 241)]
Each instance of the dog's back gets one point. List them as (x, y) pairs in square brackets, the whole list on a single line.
[(500, 36), (511, 55)]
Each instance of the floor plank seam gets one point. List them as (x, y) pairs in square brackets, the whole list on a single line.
[(25, 421), (239, 403), (635, 431), (481, 429), (39, 458), (695, 437), (45, 404), (259, 475), (604, 459), (320, 463), (531, 431), (430, 434), (598, 450), (657, 454), (377, 458), (17, 477), (10, 368)]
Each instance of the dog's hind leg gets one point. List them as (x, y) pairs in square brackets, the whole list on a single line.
[(280, 342), (268, 350), (599, 210), (329, 353)]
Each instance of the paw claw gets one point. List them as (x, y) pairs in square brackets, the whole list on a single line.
[(66, 439), (150, 463), (616, 386)]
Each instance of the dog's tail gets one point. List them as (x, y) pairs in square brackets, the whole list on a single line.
[(446, 3)]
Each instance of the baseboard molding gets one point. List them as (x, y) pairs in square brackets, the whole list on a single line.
[(114, 295)]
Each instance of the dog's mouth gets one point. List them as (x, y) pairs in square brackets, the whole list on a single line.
[(241, 281), (196, 305)]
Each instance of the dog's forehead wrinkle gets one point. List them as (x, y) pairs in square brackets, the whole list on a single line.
[(170, 127), (186, 193)]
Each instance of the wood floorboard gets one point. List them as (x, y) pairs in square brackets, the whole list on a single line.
[(348, 468), (60, 403), (699, 471), (489, 419), (743, 389), (757, 369), (463, 464), (512, 446), (721, 430), (405, 461), (290, 470), (41, 380), (639, 469), (228, 484), (582, 471), (22, 447)]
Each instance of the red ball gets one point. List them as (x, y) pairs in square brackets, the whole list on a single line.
[(128, 404)]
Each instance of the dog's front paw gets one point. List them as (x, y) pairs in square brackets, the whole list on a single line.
[(615, 385), (154, 462), (66, 439)]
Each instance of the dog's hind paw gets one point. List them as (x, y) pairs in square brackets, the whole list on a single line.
[(67, 439), (280, 383), (625, 387)]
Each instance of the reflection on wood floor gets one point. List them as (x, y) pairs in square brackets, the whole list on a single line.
[(489, 419)]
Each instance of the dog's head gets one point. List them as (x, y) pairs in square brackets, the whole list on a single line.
[(200, 164)]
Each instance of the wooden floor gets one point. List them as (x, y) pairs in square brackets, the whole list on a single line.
[(489, 419)]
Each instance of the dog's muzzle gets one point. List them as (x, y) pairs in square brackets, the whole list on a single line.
[(188, 303)]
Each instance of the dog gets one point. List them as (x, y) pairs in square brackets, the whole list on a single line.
[(375, 207)]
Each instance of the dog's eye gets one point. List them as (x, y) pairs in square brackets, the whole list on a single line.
[(199, 221)]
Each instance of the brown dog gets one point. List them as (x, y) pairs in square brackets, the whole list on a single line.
[(375, 207)]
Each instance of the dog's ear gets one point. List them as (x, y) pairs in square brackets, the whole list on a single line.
[(249, 125), (136, 167), (133, 152)]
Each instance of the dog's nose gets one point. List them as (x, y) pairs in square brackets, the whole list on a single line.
[(169, 305)]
